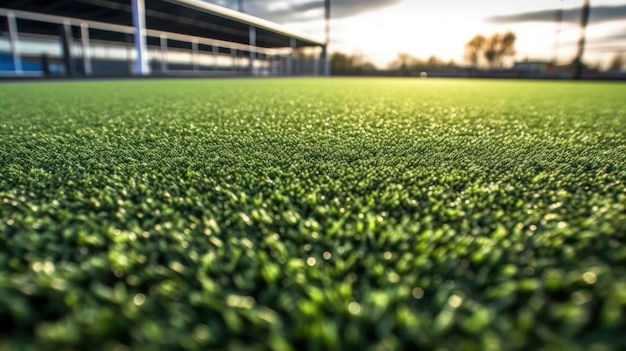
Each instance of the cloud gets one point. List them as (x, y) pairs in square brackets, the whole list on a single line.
[(285, 11), (597, 14), (614, 41), (621, 35)]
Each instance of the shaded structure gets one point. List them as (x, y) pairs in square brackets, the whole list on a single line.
[(154, 37)]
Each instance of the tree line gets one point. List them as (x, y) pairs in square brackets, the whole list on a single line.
[(343, 64), (480, 52), (493, 52)]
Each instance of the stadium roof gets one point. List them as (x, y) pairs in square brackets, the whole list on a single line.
[(190, 17)]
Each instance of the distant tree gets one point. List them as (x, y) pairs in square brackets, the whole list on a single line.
[(368, 67), (343, 64), (403, 63), (406, 64), (494, 49), (617, 63), (474, 49), (490, 51), (506, 47), (434, 62), (498, 47)]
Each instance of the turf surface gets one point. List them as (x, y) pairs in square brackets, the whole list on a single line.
[(318, 214)]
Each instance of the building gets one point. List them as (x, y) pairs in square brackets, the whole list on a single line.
[(148, 37), (532, 66)]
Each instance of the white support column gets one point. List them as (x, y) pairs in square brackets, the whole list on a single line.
[(252, 49), (215, 51), (67, 43), (194, 54), (163, 38), (84, 36), (139, 22), (292, 57), (14, 43)]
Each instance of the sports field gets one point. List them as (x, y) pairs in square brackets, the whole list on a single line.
[(322, 214)]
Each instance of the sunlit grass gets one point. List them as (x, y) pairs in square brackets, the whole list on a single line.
[(304, 213)]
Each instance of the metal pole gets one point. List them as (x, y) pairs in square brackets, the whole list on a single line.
[(559, 20), (84, 36), (252, 49), (14, 43), (325, 60), (164, 68), (240, 5), (327, 32), (66, 40), (286, 65), (233, 55), (139, 22), (283, 66), (272, 64), (215, 50), (292, 56), (578, 62), (194, 54), (316, 65), (327, 20)]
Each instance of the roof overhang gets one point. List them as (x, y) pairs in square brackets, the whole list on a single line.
[(187, 17)]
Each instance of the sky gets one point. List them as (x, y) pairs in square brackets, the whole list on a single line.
[(380, 29)]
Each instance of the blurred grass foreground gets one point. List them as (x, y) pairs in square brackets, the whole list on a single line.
[(322, 214)]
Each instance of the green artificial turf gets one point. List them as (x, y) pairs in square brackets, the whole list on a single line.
[(313, 214)]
